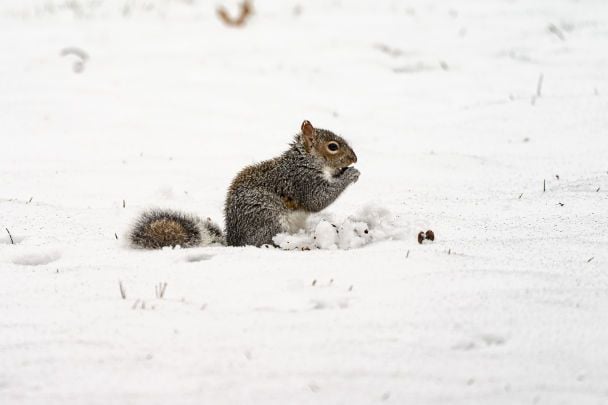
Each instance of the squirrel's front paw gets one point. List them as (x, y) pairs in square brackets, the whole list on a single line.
[(351, 174)]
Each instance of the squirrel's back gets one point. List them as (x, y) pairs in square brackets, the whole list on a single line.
[(252, 175)]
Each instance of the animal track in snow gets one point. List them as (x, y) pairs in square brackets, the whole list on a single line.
[(480, 342), (36, 258), (197, 257), (327, 304)]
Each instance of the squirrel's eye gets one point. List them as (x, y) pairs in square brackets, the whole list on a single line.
[(333, 146)]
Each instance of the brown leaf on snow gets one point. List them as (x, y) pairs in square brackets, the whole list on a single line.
[(246, 9)]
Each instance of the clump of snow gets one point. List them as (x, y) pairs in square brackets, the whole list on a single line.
[(324, 231), (326, 235), (37, 257), (354, 234)]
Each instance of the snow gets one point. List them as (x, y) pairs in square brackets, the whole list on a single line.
[(442, 104), (33, 257), (370, 224)]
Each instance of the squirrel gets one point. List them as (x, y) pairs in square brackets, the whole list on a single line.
[(264, 199)]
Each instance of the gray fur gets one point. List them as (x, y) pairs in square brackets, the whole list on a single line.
[(255, 202)]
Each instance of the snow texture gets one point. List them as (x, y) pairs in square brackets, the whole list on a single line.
[(484, 121), (35, 258)]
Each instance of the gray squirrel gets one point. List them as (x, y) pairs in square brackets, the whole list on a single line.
[(264, 199)]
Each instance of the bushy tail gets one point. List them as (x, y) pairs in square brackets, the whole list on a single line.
[(159, 228)]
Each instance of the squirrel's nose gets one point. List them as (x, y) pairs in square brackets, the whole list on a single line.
[(354, 157)]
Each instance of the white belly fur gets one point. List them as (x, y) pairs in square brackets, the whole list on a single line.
[(328, 174), (294, 221)]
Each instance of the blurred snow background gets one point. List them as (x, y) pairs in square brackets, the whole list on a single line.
[(461, 113)]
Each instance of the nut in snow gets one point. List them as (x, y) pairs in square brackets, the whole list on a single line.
[(421, 237), (428, 235)]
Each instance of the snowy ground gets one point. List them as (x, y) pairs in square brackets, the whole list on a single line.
[(439, 100)]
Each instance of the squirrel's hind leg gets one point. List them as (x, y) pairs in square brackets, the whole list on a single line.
[(250, 223)]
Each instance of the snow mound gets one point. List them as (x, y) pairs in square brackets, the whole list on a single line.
[(324, 231), (35, 258)]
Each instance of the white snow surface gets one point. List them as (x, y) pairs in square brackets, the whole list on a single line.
[(458, 111)]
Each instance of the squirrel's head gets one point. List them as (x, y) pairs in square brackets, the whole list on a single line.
[(330, 148)]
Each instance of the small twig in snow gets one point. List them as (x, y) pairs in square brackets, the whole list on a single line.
[(124, 204), (544, 185), (407, 254), (394, 52), (10, 236), (539, 85), (589, 261), (135, 304), (552, 28), (521, 195), (598, 190), (30, 200), (314, 282), (123, 292), (160, 290), (115, 235)]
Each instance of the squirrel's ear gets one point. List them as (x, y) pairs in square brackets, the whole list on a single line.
[(308, 134)]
